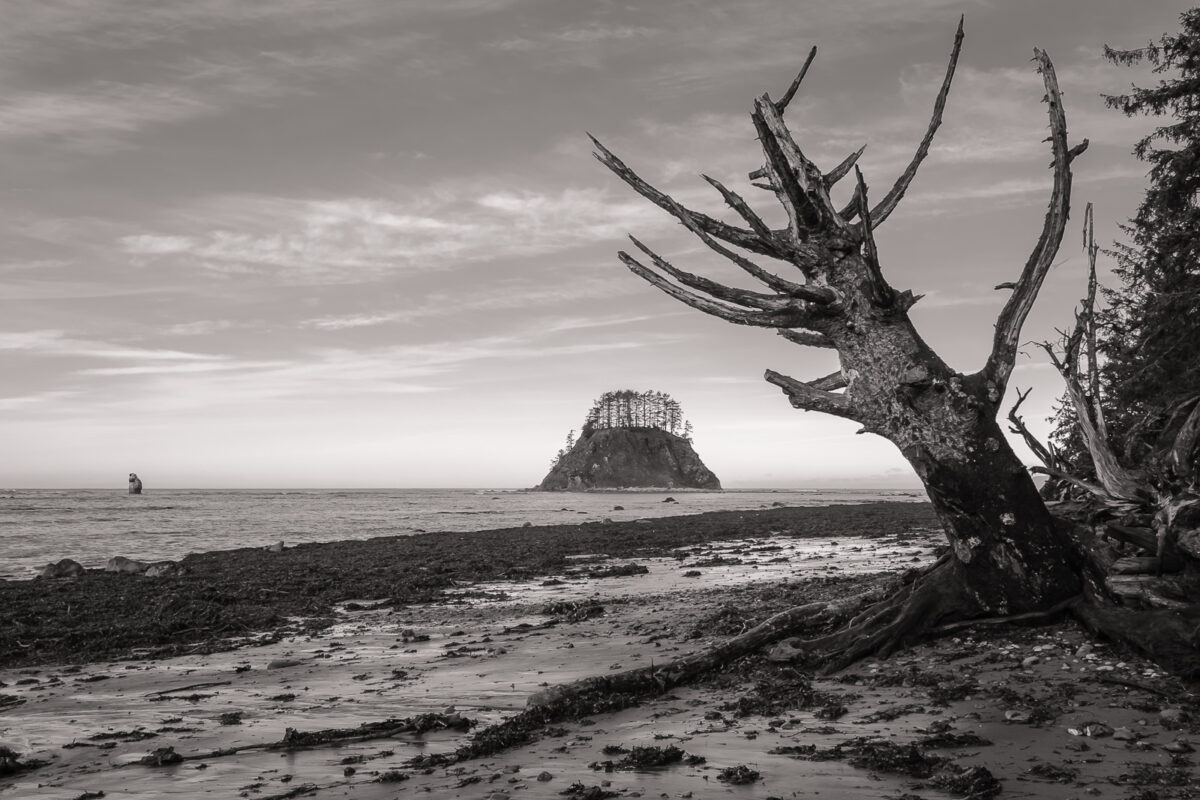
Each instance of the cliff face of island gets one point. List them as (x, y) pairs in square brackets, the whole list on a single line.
[(629, 457)]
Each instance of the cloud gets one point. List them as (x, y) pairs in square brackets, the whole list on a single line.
[(357, 239), (37, 400), (54, 342)]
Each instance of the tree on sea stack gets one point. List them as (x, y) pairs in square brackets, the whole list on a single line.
[(630, 440), (1009, 559)]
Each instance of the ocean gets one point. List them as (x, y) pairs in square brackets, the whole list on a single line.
[(91, 526)]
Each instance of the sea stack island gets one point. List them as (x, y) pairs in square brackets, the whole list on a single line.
[(630, 440)]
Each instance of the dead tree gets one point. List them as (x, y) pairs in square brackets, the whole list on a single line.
[(1007, 556), (1009, 559)]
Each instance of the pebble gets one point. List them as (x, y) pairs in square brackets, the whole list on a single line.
[(1016, 716), (1178, 746), (1123, 734), (1173, 717), (544, 776), (1030, 661)]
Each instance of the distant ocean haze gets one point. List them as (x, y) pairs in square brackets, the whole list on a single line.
[(91, 526)]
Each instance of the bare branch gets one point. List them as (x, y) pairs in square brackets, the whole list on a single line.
[(728, 233), (888, 204), (1017, 425), (801, 395), (830, 382), (807, 338), (815, 294), (785, 318), (1088, 317), (791, 91), (843, 169), (763, 302), (1088, 486), (798, 182), (1119, 483), (881, 293), (1008, 326), (734, 200)]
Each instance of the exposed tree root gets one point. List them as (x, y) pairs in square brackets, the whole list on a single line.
[(933, 602)]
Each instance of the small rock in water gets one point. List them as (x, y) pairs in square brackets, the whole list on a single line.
[(544, 776), (618, 508), (669, 500), (284, 663), (66, 568)]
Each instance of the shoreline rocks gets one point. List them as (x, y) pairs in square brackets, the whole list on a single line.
[(64, 568)]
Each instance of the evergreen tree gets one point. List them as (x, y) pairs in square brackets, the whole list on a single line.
[(1150, 330)]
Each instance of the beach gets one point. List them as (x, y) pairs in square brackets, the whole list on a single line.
[(384, 657)]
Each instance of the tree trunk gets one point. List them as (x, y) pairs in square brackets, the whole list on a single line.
[(1009, 555)]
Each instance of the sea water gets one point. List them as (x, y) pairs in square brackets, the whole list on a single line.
[(92, 526)]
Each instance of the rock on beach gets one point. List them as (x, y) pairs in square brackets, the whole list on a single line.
[(65, 568)]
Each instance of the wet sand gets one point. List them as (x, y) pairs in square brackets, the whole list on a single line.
[(483, 648)]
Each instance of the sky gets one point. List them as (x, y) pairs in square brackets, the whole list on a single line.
[(292, 243)]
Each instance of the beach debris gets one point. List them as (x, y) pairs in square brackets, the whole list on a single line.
[(577, 791), (739, 775), (11, 763), (125, 565), (1053, 772), (284, 663), (618, 570), (189, 687), (645, 757), (161, 757), (976, 783), (135, 735), (64, 568), (275, 548), (573, 611)]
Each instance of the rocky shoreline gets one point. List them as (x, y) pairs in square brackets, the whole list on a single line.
[(374, 697), (218, 599)]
